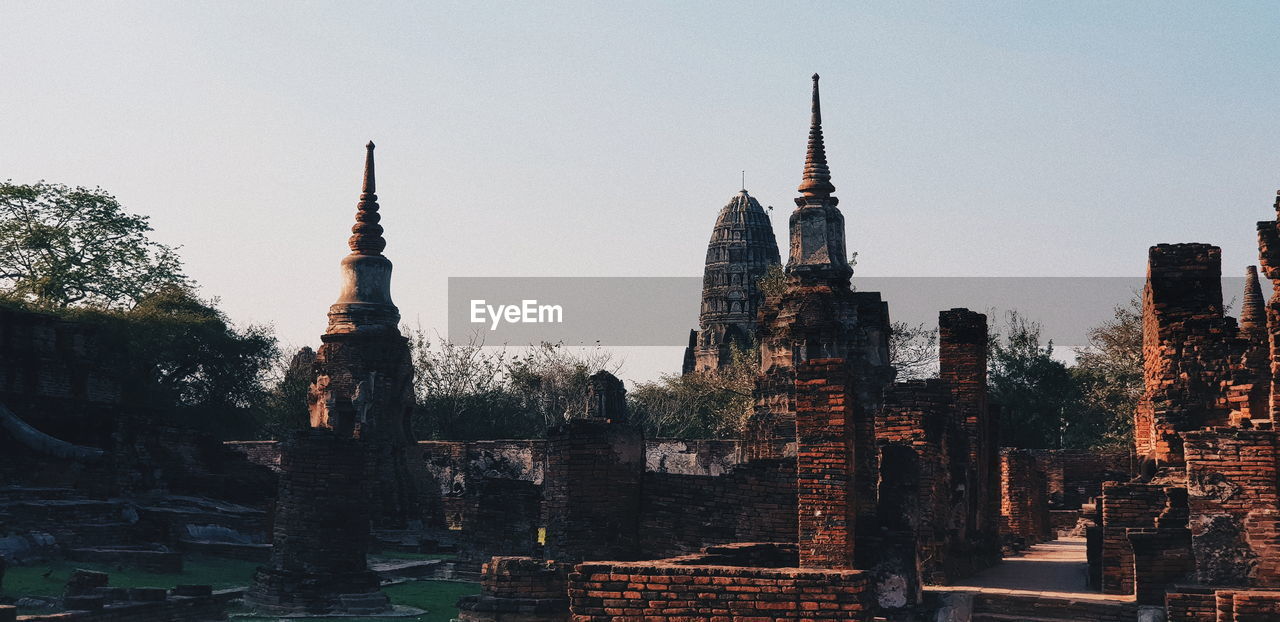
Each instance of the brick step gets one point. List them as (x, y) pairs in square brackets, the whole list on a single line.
[(1018, 607), (1000, 617)]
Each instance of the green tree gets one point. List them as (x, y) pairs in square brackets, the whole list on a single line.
[(463, 392), (284, 406), (1041, 400), (62, 246), (180, 358), (701, 404), (1109, 372)]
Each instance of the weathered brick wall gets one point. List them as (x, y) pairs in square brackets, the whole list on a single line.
[(1269, 258), (379, 362), (1232, 484), (754, 502), (1187, 345), (1024, 509), (592, 490), (1075, 476), (827, 494), (1125, 506), (321, 531), (962, 362), (1255, 606), (1184, 604), (681, 589), (920, 415), (1160, 557)]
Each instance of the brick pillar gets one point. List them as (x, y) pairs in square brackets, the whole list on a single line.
[(825, 464), (593, 480), (1269, 257), (1186, 343), (321, 532), (962, 359), (1125, 507)]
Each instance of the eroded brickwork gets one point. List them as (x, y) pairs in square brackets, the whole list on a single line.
[(1186, 349), (693, 590), (321, 531), (1232, 486), (826, 470), (519, 589), (1024, 509)]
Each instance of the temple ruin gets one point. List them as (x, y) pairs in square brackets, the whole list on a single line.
[(855, 496)]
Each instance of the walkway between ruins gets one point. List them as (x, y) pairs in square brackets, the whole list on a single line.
[(1055, 569)]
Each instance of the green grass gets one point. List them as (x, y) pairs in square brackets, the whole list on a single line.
[(218, 572), (436, 597)]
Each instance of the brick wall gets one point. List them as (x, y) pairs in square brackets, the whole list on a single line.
[(1232, 485), (682, 589), (1024, 508), (754, 502), (321, 531), (1125, 506), (1184, 604), (55, 376), (825, 464), (592, 490), (1187, 345)]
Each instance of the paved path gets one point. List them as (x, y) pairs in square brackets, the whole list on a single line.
[(1056, 569)]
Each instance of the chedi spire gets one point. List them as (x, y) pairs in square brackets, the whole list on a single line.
[(365, 301), (817, 176), (366, 234)]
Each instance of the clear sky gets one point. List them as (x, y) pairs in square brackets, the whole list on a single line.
[(559, 139)]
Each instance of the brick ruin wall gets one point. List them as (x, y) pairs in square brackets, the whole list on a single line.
[(1075, 476), (519, 589), (1024, 508), (727, 583), (826, 464), (1232, 485), (1186, 603), (755, 502), (1125, 506), (1187, 343)]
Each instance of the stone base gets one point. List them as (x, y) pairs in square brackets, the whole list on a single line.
[(295, 593)]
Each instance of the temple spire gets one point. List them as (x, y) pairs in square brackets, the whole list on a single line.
[(1253, 310), (817, 176), (366, 234)]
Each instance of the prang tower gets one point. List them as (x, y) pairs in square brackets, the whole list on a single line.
[(741, 250)]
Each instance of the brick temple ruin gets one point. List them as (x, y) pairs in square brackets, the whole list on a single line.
[(853, 497)]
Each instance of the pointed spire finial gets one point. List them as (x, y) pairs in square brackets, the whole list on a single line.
[(366, 235), (817, 176)]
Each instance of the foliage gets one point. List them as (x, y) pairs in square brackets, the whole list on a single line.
[(470, 391), (1040, 398), (701, 404), (1109, 372), (178, 356), (773, 281), (913, 351), (284, 405), (62, 246)]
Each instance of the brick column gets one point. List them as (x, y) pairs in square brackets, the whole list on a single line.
[(825, 464), (962, 361)]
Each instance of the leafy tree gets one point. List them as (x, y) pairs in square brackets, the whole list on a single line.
[(463, 392), (62, 246), (701, 404), (1041, 399), (1109, 372), (284, 406), (552, 380)]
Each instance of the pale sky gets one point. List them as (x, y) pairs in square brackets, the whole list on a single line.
[(601, 139)]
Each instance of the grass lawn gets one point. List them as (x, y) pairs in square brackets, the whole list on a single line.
[(48, 579)]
